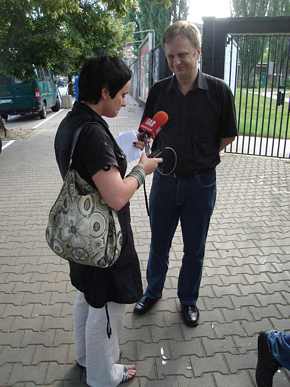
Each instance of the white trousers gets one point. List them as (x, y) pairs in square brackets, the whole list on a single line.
[(94, 350)]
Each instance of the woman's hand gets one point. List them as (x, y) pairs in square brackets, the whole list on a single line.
[(149, 164), (139, 144), (117, 191)]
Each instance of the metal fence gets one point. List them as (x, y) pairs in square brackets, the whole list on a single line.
[(253, 56), (146, 71), (257, 68)]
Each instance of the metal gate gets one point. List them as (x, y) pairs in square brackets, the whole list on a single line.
[(254, 59)]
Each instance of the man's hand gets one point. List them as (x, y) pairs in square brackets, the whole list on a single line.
[(226, 141)]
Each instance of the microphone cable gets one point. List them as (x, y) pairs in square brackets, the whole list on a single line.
[(166, 168)]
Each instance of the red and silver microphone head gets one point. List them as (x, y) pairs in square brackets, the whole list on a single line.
[(147, 127), (160, 119), (152, 126)]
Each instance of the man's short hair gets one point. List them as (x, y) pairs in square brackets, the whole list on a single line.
[(102, 72), (184, 28)]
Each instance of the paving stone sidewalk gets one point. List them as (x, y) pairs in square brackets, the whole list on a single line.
[(245, 286)]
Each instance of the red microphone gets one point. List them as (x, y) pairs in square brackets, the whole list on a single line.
[(150, 127)]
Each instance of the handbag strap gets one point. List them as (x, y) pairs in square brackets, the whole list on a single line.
[(76, 138), (75, 141)]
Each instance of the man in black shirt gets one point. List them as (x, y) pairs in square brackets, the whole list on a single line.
[(201, 123)]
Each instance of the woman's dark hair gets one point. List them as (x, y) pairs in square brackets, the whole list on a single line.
[(99, 72)]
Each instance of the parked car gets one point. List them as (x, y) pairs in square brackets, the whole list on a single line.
[(37, 94)]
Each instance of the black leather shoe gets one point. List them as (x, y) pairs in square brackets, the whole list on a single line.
[(81, 367), (267, 366), (190, 315), (144, 304)]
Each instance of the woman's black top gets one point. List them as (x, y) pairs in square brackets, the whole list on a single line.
[(97, 149)]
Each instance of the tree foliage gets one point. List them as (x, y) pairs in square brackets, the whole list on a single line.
[(244, 8), (157, 15), (253, 49), (58, 34), (279, 8), (179, 10), (151, 15)]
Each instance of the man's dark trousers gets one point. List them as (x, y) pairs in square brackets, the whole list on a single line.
[(190, 200)]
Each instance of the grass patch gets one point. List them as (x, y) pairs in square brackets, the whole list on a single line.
[(259, 115)]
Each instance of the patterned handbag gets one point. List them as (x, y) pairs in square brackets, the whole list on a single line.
[(81, 227)]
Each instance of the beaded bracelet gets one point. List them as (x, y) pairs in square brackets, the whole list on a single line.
[(138, 173)]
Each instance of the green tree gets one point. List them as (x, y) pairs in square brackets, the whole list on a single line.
[(156, 15), (179, 10), (279, 8), (58, 34), (253, 49), (152, 15), (243, 8)]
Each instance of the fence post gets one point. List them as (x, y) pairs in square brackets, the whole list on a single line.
[(213, 47)]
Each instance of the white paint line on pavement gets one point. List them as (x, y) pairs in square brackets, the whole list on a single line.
[(8, 143), (42, 122)]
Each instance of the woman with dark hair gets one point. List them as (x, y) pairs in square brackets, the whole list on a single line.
[(103, 293)]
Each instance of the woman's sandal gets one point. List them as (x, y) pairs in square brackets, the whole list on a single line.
[(127, 375)]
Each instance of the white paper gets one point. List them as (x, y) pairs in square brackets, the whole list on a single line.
[(125, 141)]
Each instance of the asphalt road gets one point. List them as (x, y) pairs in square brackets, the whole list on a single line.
[(24, 126)]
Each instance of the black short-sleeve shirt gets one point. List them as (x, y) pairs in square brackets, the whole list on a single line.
[(97, 149), (197, 121)]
